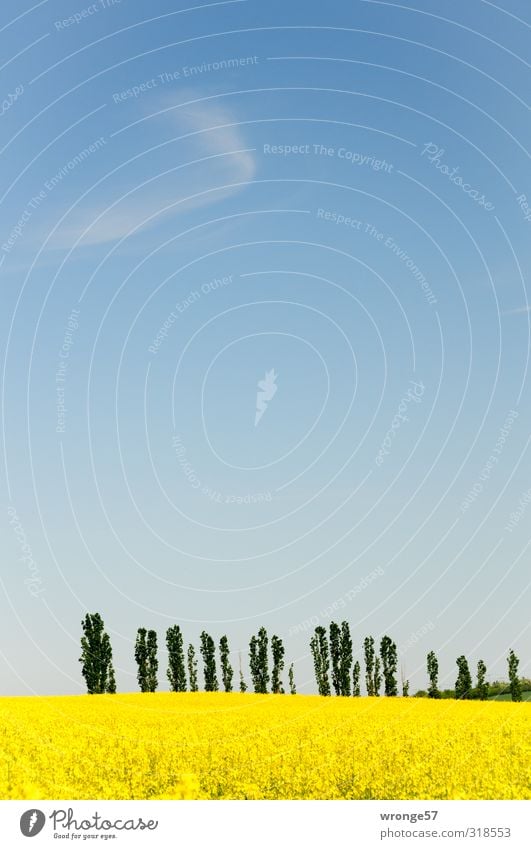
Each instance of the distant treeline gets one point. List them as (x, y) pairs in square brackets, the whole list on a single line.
[(333, 658), (266, 661)]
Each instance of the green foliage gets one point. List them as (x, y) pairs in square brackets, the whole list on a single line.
[(146, 659), (388, 654), (514, 681), (368, 647), (482, 685), (153, 663), (377, 677), (345, 659), (141, 659), (321, 660), (463, 685), (277, 649), (405, 689), (291, 679), (340, 657), (253, 663), (356, 674), (111, 682), (176, 663), (433, 675), (208, 652), (192, 668), (226, 668), (258, 661), (96, 656), (335, 655)]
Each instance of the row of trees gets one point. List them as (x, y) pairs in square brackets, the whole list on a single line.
[(333, 659), (333, 664), (464, 688), (334, 668), (182, 671)]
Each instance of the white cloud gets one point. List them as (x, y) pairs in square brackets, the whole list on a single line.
[(518, 310), (211, 135)]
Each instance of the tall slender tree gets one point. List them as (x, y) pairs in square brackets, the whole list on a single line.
[(152, 661), (291, 679), (345, 659), (176, 662), (263, 662), (482, 686), (514, 681), (433, 673), (192, 668), (463, 685), (254, 665), (258, 661), (96, 656), (208, 652), (321, 660), (111, 681), (141, 659), (377, 676), (388, 655), (368, 647), (226, 669), (277, 649), (335, 656), (146, 660), (356, 673)]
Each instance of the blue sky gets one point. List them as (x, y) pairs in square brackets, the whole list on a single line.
[(194, 198)]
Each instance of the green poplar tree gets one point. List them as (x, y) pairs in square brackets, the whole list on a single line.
[(368, 647), (321, 660), (258, 661), (389, 663), (377, 676), (254, 664), (146, 659), (277, 649), (176, 663), (263, 643), (152, 661), (291, 679), (96, 656), (463, 685), (208, 652), (111, 682), (226, 668), (335, 656), (356, 675), (433, 673), (345, 659), (192, 668), (514, 681), (141, 659), (482, 687)]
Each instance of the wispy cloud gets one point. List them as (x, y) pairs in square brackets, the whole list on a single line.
[(210, 138), (518, 311)]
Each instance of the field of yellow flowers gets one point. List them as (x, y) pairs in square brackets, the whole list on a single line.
[(234, 746)]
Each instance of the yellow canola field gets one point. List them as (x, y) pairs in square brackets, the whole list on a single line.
[(234, 746)]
